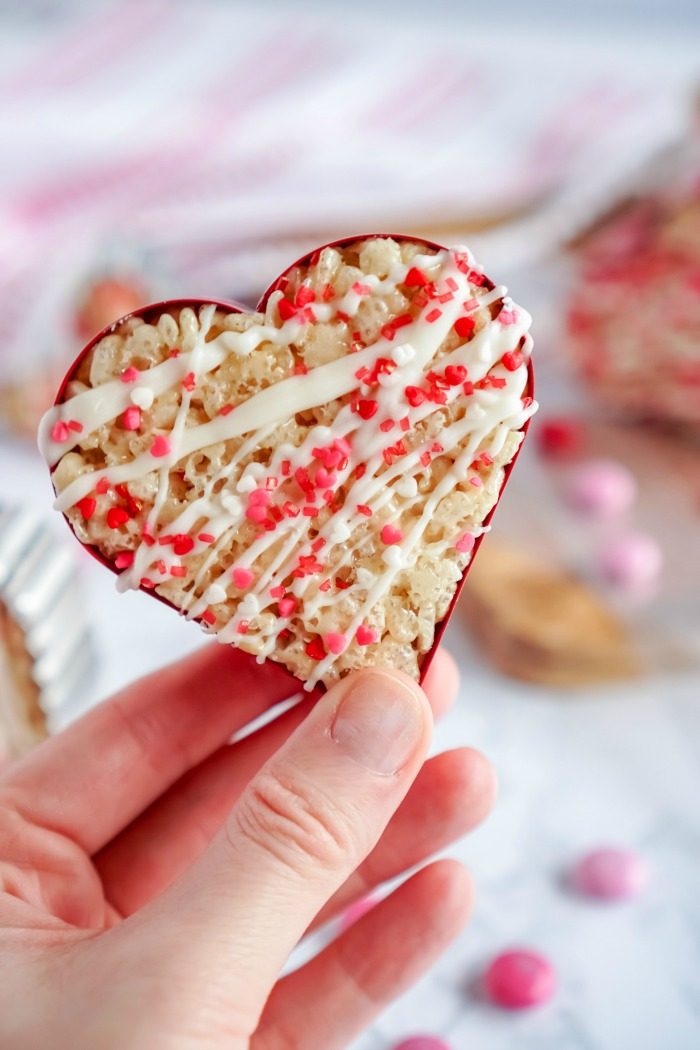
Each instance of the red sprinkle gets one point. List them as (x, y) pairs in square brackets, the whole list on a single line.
[(512, 359), (130, 375), (87, 507), (225, 409), (433, 315), (300, 369), (277, 592), (286, 309), (362, 508), (325, 586), (145, 582), (365, 635), (304, 296), (102, 486), (178, 570), (366, 409), (386, 425), (209, 617), (464, 326), (116, 516), (455, 374), (124, 559), (405, 424), (182, 544), (468, 388), (206, 537), (415, 396), (189, 382), (314, 649), (242, 627), (415, 278)]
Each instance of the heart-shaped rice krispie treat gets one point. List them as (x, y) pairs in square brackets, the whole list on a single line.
[(309, 481)]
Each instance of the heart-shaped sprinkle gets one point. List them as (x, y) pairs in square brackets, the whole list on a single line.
[(379, 399), (365, 635)]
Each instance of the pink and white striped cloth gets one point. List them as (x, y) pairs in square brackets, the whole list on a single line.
[(202, 143)]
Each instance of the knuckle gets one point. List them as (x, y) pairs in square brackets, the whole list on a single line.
[(299, 825)]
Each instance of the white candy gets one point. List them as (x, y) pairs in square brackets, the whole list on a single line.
[(364, 577), (407, 487), (214, 594), (339, 532), (393, 556), (142, 396), (249, 607), (403, 353), (246, 483), (231, 504)]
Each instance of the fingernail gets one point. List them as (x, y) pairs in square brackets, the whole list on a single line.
[(380, 722)]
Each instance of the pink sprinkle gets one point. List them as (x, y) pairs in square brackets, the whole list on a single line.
[(470, 304), (243, 578), (124, 559), (365, 635), (335, 643), (73, 424), (520, 978), (206, 537), (131, 420), (390, 534), (325, 479), (59, 432), (507, 317), (286, 606), (277, 592), (242, 627), (465, 543), (256, 512), (433, 315), (161, 446), (361, 289), (476, 482), (130, 375), (259, 498)]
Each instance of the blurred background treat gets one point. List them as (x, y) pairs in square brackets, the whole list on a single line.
[(155, 148)]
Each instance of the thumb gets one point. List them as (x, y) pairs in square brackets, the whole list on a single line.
[(303, 824)]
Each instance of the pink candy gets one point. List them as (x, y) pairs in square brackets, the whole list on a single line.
[(631, 562), (161, 446), (465, 543), (520, 978), (422, 1042), (610, 874), (131, 419), (366, 635), (602, 488)]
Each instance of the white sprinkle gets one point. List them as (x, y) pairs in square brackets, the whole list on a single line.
[(322, 434), (339, 532), (249, 607), (364, 577), (142, 396), (393, 556), (246, 483), (214, 594), (403, 353), (231, 503), (407, 487)]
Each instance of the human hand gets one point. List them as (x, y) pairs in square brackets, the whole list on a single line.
[(156, 877)]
